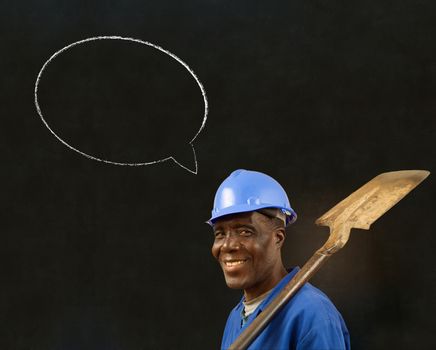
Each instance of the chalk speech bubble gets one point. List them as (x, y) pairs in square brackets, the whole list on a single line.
[(200, 85)]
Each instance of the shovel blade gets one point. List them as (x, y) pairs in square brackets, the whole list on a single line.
[(372, 200)]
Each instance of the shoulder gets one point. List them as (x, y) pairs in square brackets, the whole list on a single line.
[(232, 327), (234, 317), (316, 320), (312, 302)]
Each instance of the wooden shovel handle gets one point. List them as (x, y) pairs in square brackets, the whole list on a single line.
[(260, 322)]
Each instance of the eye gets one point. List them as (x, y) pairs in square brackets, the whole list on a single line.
[(218, 234), (245, 233)]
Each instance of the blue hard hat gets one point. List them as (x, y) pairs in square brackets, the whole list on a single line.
[(246, 190)]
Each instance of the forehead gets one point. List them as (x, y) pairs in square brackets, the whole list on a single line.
[(249, 218)]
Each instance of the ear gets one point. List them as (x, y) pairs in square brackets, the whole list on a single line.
[(279, 236)]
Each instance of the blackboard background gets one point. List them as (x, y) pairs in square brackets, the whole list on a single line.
[(322, 95)]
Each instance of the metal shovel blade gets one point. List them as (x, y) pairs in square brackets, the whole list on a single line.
[(372, 200)]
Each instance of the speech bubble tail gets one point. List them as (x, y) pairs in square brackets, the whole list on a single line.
[(187, 159)]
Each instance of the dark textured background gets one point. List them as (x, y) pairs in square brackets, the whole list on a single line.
[(322, 95)]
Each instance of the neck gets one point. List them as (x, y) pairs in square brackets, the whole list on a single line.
[(263, 287)]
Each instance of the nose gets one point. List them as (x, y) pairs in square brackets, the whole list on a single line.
[(231, 243)]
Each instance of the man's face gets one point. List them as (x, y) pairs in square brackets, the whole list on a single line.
[(247, 246)]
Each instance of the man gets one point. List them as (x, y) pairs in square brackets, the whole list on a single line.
[(251, 211)]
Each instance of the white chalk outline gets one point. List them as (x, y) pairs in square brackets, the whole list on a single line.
[(114, 37)]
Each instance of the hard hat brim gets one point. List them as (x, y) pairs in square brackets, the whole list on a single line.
[(236, 209)]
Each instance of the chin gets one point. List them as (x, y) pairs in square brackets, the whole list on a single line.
[(235, 283)]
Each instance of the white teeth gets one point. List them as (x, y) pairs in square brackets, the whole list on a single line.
[(234, 263)]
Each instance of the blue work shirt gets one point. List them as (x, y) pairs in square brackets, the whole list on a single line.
[(308, 321)]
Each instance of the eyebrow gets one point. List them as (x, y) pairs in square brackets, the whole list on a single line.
[(251, 227)]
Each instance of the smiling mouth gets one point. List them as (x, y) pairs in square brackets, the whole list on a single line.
[(233, 263)]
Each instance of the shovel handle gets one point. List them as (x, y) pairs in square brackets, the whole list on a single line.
[(260, 322)]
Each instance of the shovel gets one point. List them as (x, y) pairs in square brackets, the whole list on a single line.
[(359, 210)]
